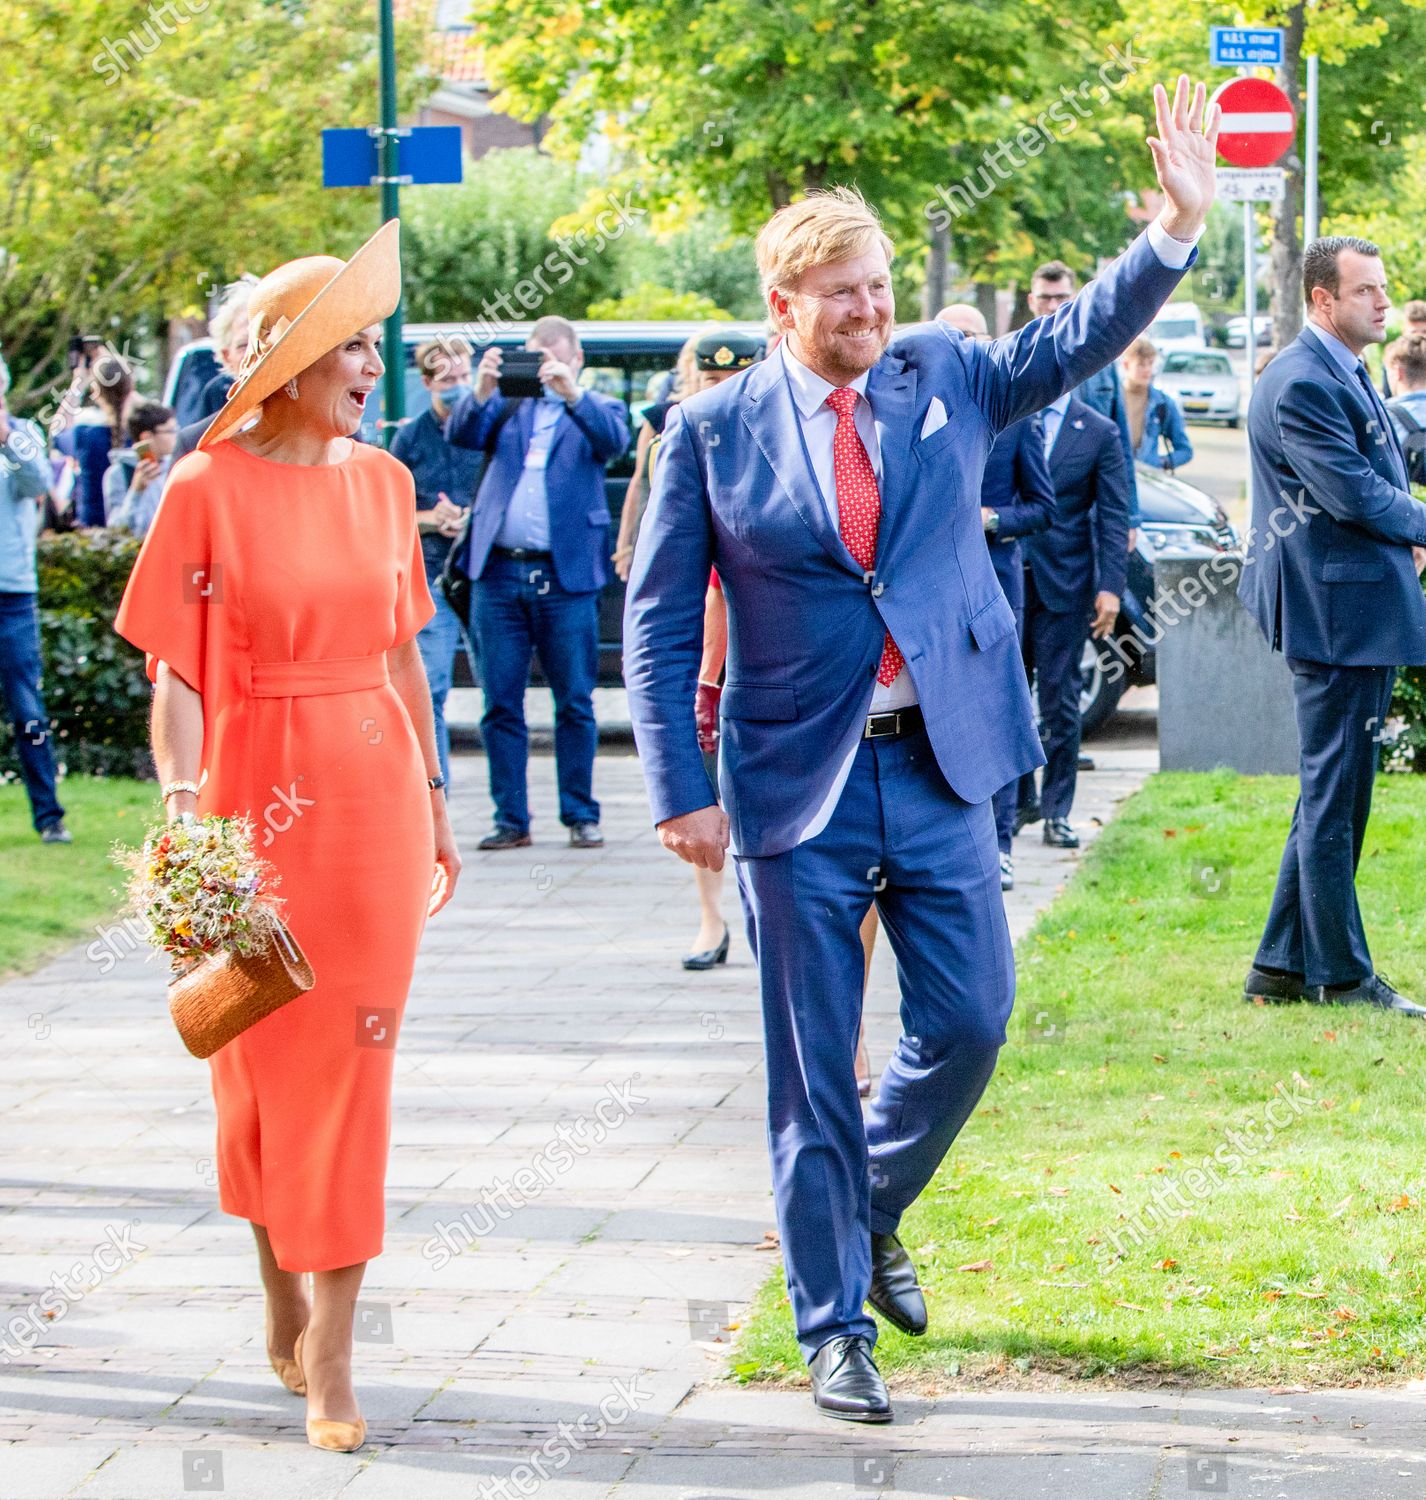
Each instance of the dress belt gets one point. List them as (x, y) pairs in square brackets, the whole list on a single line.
[(306, 679)]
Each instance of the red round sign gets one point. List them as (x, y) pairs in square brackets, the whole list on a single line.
[(1258, 125)]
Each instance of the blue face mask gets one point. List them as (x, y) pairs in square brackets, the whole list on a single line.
[(453, 393)]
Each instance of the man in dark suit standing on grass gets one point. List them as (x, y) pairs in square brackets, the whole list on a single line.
[(1332, 576), (1074, 584)]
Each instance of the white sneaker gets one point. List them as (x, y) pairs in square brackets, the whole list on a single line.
[(1007, 873)]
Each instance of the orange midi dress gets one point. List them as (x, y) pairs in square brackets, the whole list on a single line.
[(275, 590)]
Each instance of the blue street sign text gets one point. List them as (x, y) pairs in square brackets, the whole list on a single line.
[(425, 153), (1246, 46)]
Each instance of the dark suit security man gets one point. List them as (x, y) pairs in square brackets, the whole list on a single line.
[(1016, 500), (1074, 582), (1331, 576), (536, 547)]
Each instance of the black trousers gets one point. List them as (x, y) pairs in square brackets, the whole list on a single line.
[(1053, 644), (1314, 927)]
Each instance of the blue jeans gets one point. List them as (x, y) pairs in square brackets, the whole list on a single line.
[(438, 641), (518, 608), (20, 684)]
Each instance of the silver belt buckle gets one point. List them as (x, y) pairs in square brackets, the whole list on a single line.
[(880, 726)]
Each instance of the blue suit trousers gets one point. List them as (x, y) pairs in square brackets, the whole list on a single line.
[(1314, 926), (899, 836)]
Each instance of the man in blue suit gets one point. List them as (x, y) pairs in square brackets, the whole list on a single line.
[(1074, 584), (1017, 500), (536, 544), (874, 701), (1331, 576)]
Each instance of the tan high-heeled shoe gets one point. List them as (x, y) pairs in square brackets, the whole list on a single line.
[(289, 1372), (324, 1432)]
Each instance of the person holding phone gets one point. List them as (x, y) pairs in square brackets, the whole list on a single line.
[(536, 549), (134, 480), (445, 478)]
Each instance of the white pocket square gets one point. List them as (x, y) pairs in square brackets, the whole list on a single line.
[(935, 418)]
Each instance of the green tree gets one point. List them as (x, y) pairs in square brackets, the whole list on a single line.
[(166, 148)]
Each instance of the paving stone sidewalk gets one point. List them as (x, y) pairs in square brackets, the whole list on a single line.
[(578, 1202)]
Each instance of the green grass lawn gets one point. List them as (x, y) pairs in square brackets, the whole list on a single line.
[(1265, 1256), (55, 894)]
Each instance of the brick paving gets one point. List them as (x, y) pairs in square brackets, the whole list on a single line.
[(523, 1286)]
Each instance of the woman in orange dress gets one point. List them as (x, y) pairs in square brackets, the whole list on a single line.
[(277, 598)]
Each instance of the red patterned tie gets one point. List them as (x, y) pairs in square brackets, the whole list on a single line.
[(859, 506)]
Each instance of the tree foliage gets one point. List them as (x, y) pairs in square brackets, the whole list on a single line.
[(164, 148)]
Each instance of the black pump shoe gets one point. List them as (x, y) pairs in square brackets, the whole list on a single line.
[(709, 956)]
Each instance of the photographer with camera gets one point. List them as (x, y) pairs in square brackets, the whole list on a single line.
[(535, 548), (133, 482), (90, 421)]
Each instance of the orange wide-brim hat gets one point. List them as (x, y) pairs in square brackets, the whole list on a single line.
[(303, 310)]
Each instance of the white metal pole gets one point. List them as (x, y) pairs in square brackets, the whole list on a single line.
[(1309, 190), (1250, 305)]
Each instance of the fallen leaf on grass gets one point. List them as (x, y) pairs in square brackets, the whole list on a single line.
[(1341, 1208), (986, 1265), (1059, 1192), (1311, 1296), (1167, 1265), (1132, 1306), (1397, 1205)]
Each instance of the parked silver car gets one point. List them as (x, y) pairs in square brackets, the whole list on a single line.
[(1204, 384)]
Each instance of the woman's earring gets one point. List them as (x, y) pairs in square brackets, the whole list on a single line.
[(291, 388)]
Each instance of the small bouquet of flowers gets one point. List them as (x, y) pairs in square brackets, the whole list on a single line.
[(207, 900)]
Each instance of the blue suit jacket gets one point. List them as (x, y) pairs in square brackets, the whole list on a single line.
[(734, 488), (1105, 393), (1328, 574), (1017, 486), (588, 435), (1086, 551)]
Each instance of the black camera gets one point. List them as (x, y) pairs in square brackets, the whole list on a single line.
[(520, 372), (82, 349)]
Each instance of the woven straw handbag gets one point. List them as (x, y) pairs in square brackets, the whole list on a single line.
[(218, 997)]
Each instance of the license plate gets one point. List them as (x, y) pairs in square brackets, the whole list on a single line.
[(1195, 406)]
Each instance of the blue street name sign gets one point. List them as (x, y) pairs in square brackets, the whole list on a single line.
[(425, 153), (1246, 46)]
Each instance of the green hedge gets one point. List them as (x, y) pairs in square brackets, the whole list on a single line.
[(94, 683)]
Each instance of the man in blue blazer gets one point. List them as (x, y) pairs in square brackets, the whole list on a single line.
[(1074, 584), (1017, 500), (1331, 576), (874, 701), (535, 546)]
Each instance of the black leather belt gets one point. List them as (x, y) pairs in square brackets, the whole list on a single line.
[(522, 554), (894, 723)]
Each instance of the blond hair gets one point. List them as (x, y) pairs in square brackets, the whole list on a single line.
[(820, 229), (1142, 348)]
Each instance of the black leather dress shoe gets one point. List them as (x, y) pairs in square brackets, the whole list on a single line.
[(1262, 988), (586, 836), (1059, 834), (1373, 990), (846, 1382), (1025, 814), (709, 956), (895, 1293), (504, 838)]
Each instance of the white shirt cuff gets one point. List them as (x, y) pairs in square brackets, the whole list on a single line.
[(1174, 253)]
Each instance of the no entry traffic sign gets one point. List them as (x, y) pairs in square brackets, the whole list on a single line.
[(1258, 122)]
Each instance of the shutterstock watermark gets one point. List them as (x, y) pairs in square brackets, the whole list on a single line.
[(503, 1200), (498, 313), (1174, 1197), (569, 1438), (115, 1251), (163, 20), (1031, 139)]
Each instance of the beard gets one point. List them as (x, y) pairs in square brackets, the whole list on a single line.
[(836, 357)]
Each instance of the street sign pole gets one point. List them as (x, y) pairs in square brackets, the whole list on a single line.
[(1309, 188), (1250, 300), (388, 168)]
